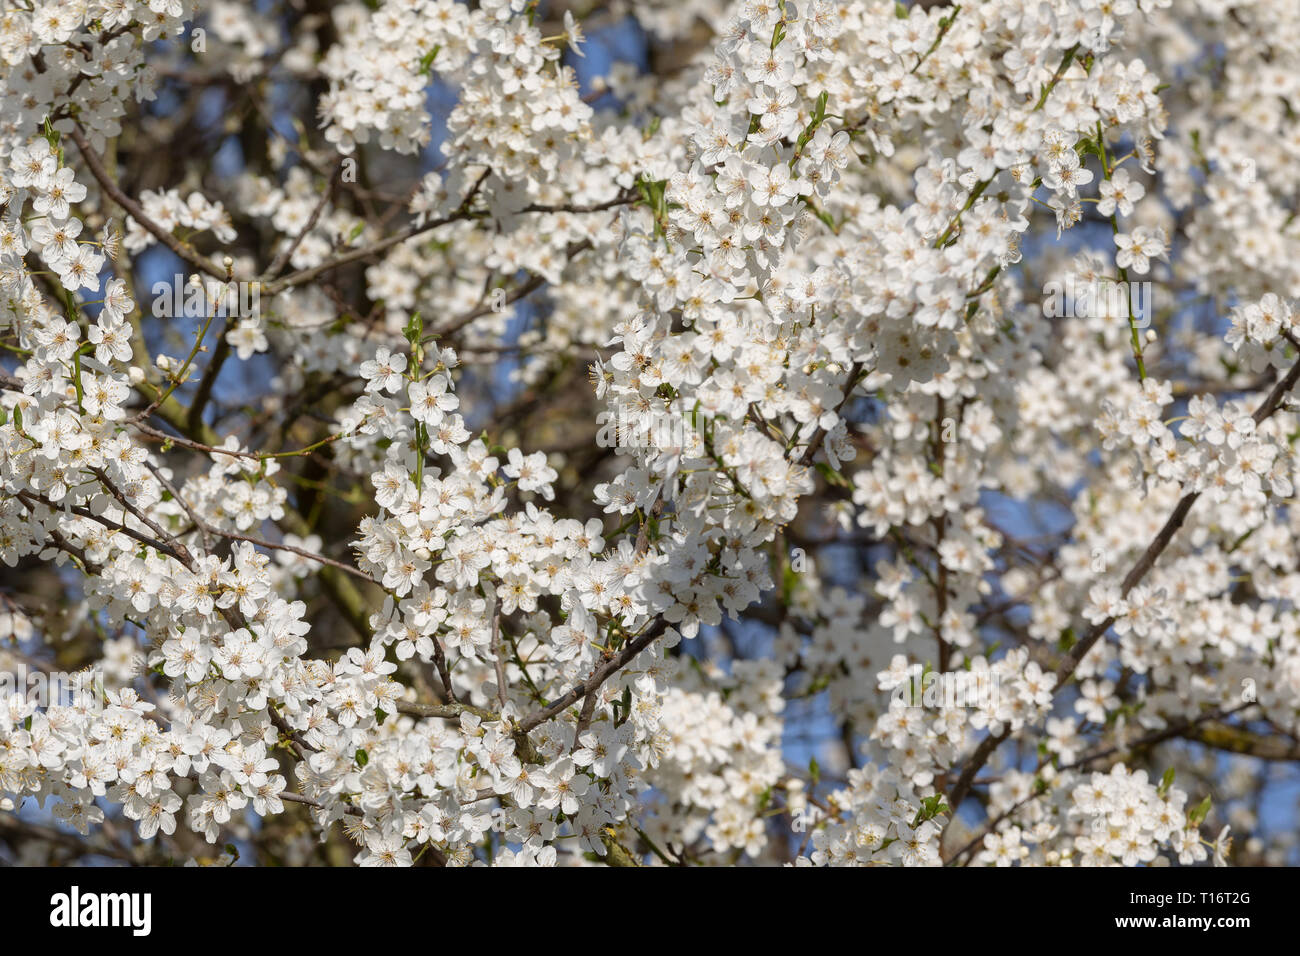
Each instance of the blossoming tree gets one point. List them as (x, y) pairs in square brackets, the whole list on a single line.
[(688, 466)]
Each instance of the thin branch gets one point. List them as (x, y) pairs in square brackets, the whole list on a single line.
[(497, 661), (136, 211), (280, 261), (1131, 580), (383, 245), (598, 677)]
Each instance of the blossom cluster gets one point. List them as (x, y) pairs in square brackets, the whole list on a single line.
[(367, 589)]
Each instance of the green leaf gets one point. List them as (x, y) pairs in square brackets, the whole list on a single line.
[(362, 758), (831, 475), (821, 214), (1166, 782), (789, 581), (426, 61), (414, 330), (931, 807), (1068, 639), (1199, 812), (76, 377)]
